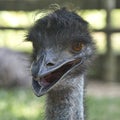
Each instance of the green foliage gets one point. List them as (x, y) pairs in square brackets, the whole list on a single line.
[(15, 39), (21, 104)]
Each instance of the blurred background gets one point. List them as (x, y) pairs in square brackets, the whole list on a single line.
[(17, 101)]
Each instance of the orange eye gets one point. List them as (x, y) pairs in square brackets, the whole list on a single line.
[(77, 46)]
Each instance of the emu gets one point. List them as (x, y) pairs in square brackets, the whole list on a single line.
[(62, 50)]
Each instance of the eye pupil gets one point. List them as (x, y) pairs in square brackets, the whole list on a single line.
[(77, 46)]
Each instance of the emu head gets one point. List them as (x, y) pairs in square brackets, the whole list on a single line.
[(61, 45)]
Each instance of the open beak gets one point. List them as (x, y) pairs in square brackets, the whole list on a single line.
[(44, 83)]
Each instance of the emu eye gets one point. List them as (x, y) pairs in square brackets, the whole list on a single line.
[(77, 46)]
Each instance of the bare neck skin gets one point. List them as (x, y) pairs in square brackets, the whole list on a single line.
[(67, 103)]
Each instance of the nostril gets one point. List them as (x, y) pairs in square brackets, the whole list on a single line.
[(50, 64)]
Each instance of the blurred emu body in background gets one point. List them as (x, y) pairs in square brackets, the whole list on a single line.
[(13, 69)]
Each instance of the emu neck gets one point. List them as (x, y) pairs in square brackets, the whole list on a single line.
[(67, 103)]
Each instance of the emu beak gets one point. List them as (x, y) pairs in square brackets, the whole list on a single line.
[(47, 80)]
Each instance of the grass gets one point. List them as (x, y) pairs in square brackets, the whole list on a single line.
[(17, 104), (21, 104), (103, 108)]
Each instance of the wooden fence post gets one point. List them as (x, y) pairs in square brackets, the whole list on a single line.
[(110, 59)]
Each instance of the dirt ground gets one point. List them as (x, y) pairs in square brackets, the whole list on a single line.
[(102, 89)]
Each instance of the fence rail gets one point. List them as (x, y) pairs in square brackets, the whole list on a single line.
[(31, 5), (94, 30)]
